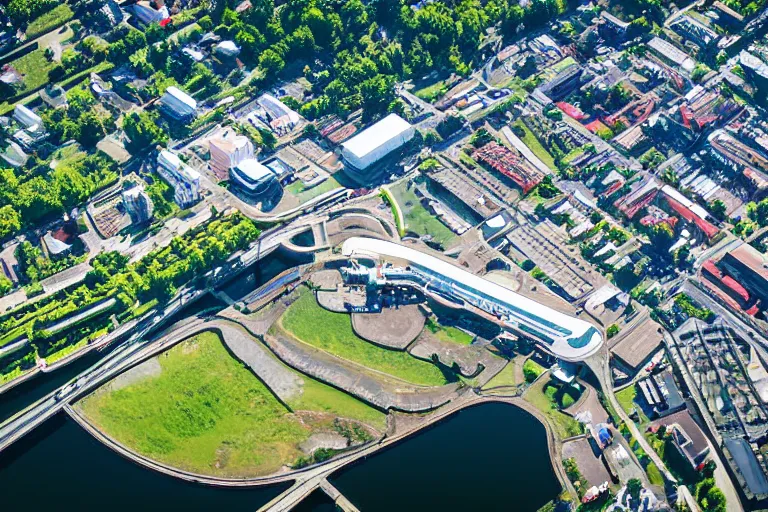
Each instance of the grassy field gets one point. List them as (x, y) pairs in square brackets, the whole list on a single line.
[(323, 398), (506, 377), (34, 67), (47, 21), (535, 146), (448, 333), (626, 398), (417, 218), (432, 93), (332, 332), (303, 195), (205, 412), (563, 425)]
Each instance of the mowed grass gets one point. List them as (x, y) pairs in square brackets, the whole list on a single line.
[(535, 146), (449, 333), (506, 377), (303, 195), (563, 425), (320, 397), (49, 20), (332, 332), (417, 218), (205, 413)]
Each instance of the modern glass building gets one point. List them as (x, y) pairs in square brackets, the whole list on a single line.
[(566, 337)]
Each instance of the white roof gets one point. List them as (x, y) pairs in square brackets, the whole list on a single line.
[(376, 135), (560, 347), (181, 96), (169, 160), (254, 170)]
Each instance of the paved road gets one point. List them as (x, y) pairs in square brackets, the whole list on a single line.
[(134, 349)]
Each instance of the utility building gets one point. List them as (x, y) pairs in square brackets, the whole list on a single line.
[(373, 144)]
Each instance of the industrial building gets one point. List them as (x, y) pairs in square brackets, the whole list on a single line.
[(373, 144), (749, 267), (138, 205), (184, 180), (566, 337), (255, 179), (177, 104)]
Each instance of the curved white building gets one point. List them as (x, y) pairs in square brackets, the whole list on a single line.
[(374, 143), (568, 338)]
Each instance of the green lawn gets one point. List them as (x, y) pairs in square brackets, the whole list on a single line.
[(448, 333), (626, 398), (417, 218), (303, 195), (535, 146), (205, 412), (323, 398), (332, 332), (47, 21), (506, 377), (563, 425), (34, 67), (432, 93)]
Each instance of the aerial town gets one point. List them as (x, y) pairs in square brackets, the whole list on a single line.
[(375, 255)]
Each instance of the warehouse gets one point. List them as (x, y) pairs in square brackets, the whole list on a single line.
[(177, 104), (374, 143)]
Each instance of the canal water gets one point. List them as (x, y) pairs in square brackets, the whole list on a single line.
[(489, 457), (60, 466)]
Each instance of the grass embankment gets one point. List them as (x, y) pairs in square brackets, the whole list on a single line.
[(206, 412), (323, 398), (433, 92), (332, 332), (563, 425), (626, 398), (50, 20), (507, 377), (417, 218), (530, 140), (448, 333), (303, 194)]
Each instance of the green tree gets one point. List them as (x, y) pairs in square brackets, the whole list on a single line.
[(143, 132), (634, 486), (718, 209), (377, 94), (271, 63), (10, 221)]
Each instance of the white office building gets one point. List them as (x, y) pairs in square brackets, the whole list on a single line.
[(376, 142), (184, 180)]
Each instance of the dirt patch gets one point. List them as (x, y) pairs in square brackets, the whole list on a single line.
[(147, 369), (328, 279), (323, 440), (393, 328)]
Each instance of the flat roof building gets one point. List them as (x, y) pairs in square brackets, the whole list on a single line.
[(227, 150), (255, 179), (374, 143), (749, 267), (566, 337)]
